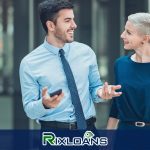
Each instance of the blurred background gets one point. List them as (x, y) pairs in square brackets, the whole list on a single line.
[(100, 23)]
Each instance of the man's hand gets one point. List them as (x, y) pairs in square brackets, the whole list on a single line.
[(109, 91), (50, 102)]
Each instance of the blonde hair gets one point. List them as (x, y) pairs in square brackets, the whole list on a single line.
[(141, 21)]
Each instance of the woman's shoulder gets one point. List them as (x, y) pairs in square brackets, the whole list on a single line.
[(122, 59)]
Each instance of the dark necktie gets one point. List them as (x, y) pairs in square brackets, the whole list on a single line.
[(81, 122)]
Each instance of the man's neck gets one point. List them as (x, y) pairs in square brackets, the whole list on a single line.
[(54, 42)]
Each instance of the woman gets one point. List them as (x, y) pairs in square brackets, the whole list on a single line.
[(132, 109)]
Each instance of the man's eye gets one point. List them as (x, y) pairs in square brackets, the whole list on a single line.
[(67, 20)]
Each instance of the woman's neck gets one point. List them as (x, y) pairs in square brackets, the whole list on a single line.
[(142, 59), (142, 55)]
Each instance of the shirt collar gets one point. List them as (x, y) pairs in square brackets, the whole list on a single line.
[(55, 50)]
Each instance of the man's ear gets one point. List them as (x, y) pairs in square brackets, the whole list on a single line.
[(50, 25)]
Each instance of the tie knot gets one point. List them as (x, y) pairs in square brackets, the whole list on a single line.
[(61, 52)]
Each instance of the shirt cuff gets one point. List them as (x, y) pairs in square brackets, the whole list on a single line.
[(41, 108), (98, 99)]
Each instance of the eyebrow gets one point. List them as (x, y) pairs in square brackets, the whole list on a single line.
[(68, 18), (129, 30)]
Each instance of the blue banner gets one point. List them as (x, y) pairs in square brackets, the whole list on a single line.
[(75, 140)]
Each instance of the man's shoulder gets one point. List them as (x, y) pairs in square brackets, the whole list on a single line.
[(33, 53), (82, 47), (75, 43)]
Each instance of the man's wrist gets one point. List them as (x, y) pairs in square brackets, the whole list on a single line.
[(46, 107), (99, 92)]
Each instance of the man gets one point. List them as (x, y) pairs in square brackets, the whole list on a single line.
[(42, 72)]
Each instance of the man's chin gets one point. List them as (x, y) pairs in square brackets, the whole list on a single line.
[(70, 41)]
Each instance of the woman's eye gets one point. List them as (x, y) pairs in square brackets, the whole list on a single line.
[(128, 32)]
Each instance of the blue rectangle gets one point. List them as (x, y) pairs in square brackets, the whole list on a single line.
[(75, 140)]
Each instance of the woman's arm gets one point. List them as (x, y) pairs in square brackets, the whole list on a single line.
[(112, 123)]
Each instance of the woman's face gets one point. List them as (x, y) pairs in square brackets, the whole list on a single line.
[(132, 38)]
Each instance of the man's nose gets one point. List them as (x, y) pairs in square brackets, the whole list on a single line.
[(74, 25)]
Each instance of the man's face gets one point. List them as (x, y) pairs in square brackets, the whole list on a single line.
[(65, 26)]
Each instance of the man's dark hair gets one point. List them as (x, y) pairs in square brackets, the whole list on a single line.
[(48, 10)]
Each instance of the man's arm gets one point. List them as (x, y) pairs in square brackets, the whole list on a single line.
[(36, 102), (98, 91)]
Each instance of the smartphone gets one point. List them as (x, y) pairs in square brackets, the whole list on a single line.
[(58, 92)]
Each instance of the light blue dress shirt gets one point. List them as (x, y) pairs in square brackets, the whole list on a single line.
[(43, 68)]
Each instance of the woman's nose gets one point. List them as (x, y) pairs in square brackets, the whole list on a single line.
[(122, 34)]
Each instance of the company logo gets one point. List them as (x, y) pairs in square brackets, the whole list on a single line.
[(49, 138)]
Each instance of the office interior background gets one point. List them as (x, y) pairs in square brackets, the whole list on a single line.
[(100, 23)]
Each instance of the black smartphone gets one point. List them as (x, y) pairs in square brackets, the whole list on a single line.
[(58, 92)]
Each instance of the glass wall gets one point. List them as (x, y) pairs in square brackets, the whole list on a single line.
[(148, 5), (6, 64)]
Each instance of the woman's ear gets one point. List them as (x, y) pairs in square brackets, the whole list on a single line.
[(147, 38), (50, 26)]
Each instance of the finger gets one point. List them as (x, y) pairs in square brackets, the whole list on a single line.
[(44, 91), (116, 87), (102, 91), (116, 94), (55, 102), (103, 87), (110, 89), (60, 97), (53, 97), (106, 90), (106, 87), (52, 102)]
